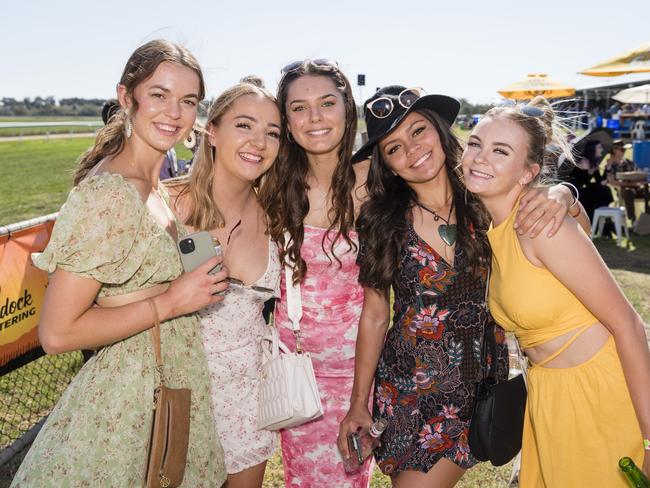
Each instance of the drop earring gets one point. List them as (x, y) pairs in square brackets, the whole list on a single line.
[(128, 126), (190, 141)]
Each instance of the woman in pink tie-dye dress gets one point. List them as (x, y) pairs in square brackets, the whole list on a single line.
[(313, 193), (331, 305)]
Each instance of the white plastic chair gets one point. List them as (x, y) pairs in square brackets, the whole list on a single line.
[(617, 214)]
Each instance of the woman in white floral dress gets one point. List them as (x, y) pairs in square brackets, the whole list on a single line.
[(115, 235), (240, 144)]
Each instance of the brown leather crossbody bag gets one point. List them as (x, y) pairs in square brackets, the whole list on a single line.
[(170, 429)]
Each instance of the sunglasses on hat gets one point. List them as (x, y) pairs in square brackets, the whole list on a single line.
[(382, 107)]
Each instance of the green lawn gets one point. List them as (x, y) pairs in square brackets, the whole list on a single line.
[(36, 177), (44, 131)]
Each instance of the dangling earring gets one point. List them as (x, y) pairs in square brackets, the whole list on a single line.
[(290, 137), (128, 126), (190, 141)]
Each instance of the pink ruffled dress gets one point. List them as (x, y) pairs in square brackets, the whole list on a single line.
[(332, 300)]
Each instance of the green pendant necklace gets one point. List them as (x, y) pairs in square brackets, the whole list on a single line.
[(446, 231)]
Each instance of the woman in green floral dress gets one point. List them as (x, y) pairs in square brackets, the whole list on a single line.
[(116, 235)]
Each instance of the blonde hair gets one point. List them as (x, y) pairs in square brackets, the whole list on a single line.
[(202, 210), (140, 66), (546, 135)]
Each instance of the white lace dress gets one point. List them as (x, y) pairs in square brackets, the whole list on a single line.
[(231, 332)]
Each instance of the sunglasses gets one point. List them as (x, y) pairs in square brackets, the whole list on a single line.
[(294, 65), (239, 283), (528, 110), (382, 107)]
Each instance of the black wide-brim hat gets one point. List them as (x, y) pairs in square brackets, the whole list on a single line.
[(601, 134), (378, 128)]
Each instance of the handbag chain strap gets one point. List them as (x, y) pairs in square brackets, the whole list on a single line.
[(294, 299)]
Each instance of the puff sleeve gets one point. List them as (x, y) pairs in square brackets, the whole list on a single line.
[(99, 232)]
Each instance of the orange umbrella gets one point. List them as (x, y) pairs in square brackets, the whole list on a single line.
[(636, 60), (537, 84)]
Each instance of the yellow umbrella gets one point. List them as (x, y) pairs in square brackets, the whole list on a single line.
[(537, 84), (635, 61)]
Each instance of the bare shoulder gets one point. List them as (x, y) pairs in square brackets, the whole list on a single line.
[(570, 238), (361, 171), (177, 195)]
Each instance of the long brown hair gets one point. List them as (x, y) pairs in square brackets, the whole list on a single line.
[(202, 210), (284, 189), (140, 66), (383, 223)]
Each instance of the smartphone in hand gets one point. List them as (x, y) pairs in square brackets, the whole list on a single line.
[(195, 249)]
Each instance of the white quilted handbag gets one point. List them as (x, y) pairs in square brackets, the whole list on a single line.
[(288, 394)]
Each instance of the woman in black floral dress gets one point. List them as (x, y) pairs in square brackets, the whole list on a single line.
[(423, 236)]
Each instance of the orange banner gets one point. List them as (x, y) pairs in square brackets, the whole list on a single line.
[(22, 289)]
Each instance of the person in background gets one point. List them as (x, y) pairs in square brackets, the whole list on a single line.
[(586, 174), (589, 382), (618, 163), (240, 144), (115, 241)]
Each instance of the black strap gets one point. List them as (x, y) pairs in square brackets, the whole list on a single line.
[(489, 339)]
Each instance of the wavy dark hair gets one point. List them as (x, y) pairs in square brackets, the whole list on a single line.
[(383, 225), (283, 192)]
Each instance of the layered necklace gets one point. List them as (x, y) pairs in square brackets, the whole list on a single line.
[(446, 231)]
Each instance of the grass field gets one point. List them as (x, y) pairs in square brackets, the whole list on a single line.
[(36, 179), (45, 130), (37, 175), (49, 130)]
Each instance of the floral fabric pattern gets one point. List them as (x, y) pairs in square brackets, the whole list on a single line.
[(428, 369), (232, 331), (98, 433), (332, 300)]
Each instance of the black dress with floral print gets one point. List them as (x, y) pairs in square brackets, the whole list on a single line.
[(431, 360)]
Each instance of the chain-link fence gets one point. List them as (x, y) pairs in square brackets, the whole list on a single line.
[(27, 395)]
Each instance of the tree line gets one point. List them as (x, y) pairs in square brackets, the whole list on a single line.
[(49, 106)]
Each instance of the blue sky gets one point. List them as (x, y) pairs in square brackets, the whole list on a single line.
[(465, 49)]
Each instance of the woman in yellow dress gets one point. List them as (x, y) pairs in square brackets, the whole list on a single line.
[(589, 384)]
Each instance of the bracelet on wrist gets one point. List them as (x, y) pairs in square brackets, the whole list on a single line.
[(575, 194)]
